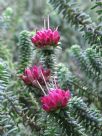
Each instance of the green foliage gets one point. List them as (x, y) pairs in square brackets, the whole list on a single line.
[(95, 61), (81, 86), (90, 62), (80, 20), (25, 50), (98, 6), (7, 124), (48, 60), (68, 124), (90, 119)]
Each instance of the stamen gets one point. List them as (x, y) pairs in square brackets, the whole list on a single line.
[(44, 80), (56, 28), (41, 87), (44, 23), (48, 22)]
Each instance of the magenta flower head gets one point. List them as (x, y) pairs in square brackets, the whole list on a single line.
[(56, 99), (35, 74), (46, 37)]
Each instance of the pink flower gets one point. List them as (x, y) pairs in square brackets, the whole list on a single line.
[(46, 37), (55, 99), (33, 74), (27, 77)]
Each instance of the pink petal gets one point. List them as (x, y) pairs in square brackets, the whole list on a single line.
[(29, 74), (35, 72), (56, 37), (33, 39), (46, 107)]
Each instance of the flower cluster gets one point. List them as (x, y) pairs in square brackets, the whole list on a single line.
[(46, 37), (35, 73), (55, 99)]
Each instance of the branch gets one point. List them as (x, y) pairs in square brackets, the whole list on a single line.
[(80, 20)]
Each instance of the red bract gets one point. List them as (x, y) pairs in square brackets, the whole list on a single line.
[(34, 74), (46, 37), (55, 99)]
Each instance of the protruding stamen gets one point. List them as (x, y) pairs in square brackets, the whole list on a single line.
[(44, 23), (48, 22), (44, 80), (56, 28), (41, 87)]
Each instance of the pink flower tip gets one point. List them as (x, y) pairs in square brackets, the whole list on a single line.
[(46, 37), (33, 74), (56, 99)]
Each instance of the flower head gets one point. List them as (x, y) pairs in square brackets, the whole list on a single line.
[(46, 37), (33, 74), (55, 99)]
